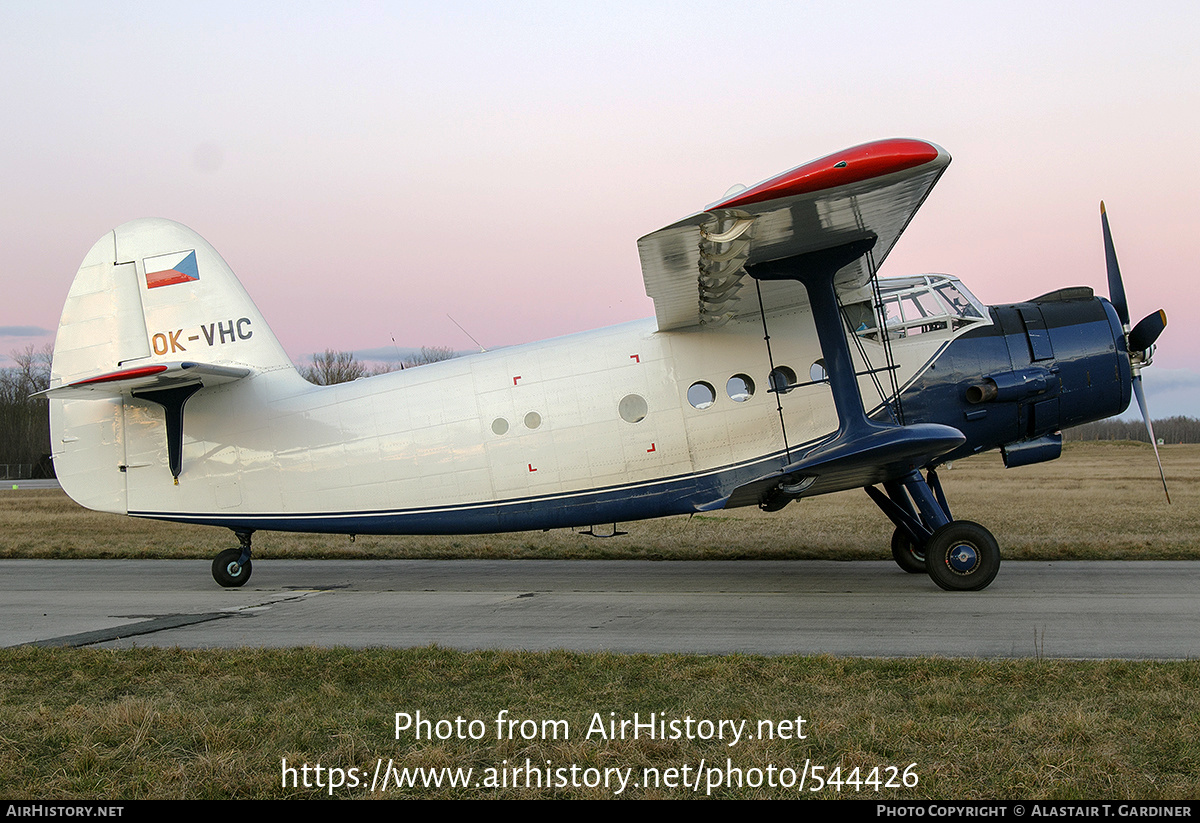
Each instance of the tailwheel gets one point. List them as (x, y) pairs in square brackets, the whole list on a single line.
[(962, 556), (907, 556), (228, 571), (232, 567)]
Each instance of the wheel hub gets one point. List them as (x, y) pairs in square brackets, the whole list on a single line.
[(963, 558)]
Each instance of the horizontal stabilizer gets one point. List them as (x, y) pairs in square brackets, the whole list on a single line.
[(150, 377)]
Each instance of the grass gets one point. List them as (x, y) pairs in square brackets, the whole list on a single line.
[(1099, 501), (217, 724)]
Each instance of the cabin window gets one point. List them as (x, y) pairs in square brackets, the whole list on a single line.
[(782, 378), (499, 426), (533, 420), (740, 388), (633, 408), (817, 373), (701, 395)]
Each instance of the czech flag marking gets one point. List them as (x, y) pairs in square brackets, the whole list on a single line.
[(169, 269)]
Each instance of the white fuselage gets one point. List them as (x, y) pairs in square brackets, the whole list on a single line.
[(521, 427)]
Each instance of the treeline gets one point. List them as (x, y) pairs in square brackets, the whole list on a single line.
[(332, 366), (1167, 429), (25, 420)]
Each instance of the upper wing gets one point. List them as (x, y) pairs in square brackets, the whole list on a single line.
[(695, 269)]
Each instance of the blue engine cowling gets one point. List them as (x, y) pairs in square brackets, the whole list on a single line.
[(1056, 361)]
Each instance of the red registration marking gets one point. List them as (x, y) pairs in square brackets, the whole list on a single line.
[(531, 468), (860, 163), (635, 358), (515, 379), (650, 449), (128, 374)]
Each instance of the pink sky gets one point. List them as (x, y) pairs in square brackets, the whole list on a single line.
[(367, 169)]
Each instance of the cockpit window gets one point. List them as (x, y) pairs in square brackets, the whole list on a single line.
[(918, 305), (952, 295)]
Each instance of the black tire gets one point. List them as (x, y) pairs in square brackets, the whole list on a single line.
[(906, 555), (962, 556), (227, 572)]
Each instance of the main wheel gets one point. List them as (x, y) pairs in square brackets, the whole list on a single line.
[(962, 556), (906, 555), (228, 572)]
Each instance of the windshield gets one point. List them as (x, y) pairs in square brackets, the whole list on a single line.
[(918, 305)]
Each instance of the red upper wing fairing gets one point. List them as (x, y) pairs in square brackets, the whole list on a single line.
[(695, 269)]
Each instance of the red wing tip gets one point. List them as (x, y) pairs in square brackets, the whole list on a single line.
[(853, 165)]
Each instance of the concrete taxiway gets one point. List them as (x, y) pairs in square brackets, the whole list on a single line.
[(1128, 610)]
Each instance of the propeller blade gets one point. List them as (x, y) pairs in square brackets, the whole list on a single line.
[(1140, 339), (1141, 398), (1116, 289), (1147, 331)]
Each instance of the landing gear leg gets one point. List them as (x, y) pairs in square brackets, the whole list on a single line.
[(232, 567), (958, 555), (913, 527)]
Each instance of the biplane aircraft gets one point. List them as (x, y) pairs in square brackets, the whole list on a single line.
[(778, 366)]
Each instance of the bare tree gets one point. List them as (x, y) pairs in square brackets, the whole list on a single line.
[(24, 420), (340, 366), (430, 354), (333, 367), (31, 374)]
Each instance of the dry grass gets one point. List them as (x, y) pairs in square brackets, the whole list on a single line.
[(195, 724), (216, 724), (1099, 501)]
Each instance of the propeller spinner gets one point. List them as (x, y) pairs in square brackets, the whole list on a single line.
[(1139, 341)]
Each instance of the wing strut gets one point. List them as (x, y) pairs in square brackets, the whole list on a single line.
[(778, 390), (957, 554), (815, 270), (861, 452), (886, 339)]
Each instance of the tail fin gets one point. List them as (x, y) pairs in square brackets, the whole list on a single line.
[(151, 292), (153, 316)]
